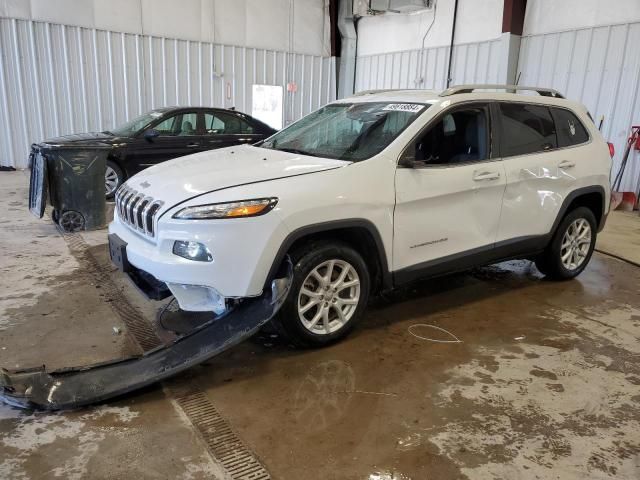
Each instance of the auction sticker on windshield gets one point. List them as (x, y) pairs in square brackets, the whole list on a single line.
[(404, 107)]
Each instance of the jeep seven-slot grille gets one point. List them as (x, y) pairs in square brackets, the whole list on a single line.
[(137, 210)]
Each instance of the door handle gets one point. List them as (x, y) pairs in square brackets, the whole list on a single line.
[(486, 176), (192, 145), (566, 164)]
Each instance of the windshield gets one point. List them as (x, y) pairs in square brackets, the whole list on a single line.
[(132, 127), (347, 131)]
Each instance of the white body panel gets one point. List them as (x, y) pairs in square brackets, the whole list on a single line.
[(244, 249), (412, 210), (538, 184), (187, 177), (441, 211)]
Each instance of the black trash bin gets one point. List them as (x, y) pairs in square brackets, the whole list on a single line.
[(73, 180)]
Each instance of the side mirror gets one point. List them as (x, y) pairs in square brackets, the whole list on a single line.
[(151, 134), (407, 159)]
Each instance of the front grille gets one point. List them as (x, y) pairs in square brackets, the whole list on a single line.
[(137, 210)]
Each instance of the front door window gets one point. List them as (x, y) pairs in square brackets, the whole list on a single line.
[(459, 137), (182, 124)]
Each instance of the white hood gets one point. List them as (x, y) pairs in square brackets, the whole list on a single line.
[(186, 177)]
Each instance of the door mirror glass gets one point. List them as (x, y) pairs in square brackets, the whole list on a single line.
[(151, 134), (408, 157)]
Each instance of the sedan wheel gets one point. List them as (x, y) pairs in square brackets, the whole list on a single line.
[(112, 180), (329, 297)]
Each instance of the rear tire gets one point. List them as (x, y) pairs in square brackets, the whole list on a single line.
[(329, 292), (571, 246), (113, 178)]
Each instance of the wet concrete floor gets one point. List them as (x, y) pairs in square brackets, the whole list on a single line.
[(523, 378)]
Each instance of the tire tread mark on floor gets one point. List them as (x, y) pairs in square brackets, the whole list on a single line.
[(138, 326)]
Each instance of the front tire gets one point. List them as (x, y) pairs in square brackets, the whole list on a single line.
[(329, 292), (571, 246)]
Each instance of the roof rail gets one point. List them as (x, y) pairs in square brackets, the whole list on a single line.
[(371, 92), (545, 92)]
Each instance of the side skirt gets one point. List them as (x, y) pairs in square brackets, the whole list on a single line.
[(521, 247)]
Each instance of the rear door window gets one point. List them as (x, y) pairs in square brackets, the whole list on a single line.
[(220, 123), (570, 129), (526, 129)]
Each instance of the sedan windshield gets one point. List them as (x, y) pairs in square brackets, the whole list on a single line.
[(132, 127), (347, 131)]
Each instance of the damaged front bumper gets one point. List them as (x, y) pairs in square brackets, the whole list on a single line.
[(78, 386), (191, 298)]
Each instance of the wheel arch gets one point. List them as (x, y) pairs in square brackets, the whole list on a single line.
[(113, 157), (592, 197), (360, 234)]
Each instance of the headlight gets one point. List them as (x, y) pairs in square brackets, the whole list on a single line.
[(239, 209), (192, 251)]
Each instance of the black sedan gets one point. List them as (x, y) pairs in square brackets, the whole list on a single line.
[(167, 133)]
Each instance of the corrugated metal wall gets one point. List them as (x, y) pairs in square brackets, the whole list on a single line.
[(599, 67), (57, 79), (472, 63)]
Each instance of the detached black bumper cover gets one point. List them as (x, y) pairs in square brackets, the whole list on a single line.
[(75, 387)]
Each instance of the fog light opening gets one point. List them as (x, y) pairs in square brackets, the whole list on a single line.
[(192, 251)]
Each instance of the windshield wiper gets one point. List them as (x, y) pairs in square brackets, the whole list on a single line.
[(296, 150)]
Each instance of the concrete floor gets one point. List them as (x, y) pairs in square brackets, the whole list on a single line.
[(538, 380), (622, 236)]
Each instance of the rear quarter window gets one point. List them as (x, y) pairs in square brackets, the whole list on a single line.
[(570, 130)]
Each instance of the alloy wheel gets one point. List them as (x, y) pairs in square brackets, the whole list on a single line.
[(329, 297), (575, 244), (111, 180)]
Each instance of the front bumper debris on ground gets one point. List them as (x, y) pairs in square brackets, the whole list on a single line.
[(78, 386)]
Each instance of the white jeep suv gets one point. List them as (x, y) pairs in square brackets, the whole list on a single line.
[(366, 194)]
